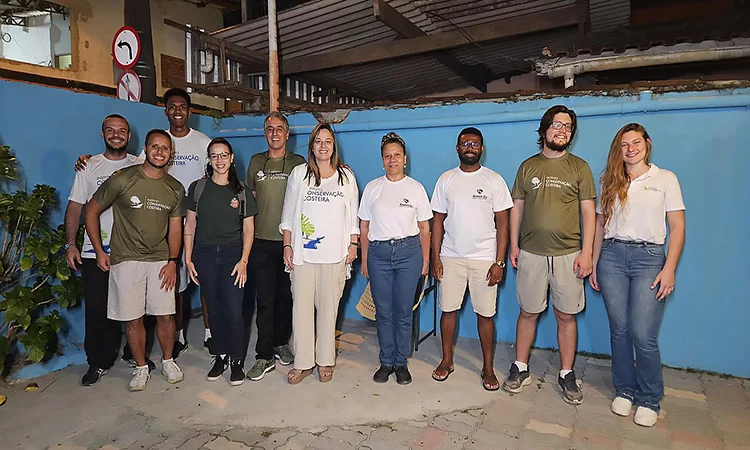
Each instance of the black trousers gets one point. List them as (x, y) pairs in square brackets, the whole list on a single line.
[(102, 339), (274, 297)]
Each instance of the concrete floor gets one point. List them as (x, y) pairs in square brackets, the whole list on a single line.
[(352, 412)]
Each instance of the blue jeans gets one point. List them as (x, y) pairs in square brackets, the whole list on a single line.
[(214, 264), (625, 271), (394, 267)]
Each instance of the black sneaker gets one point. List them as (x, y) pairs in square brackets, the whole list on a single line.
[(516, 380), (220, 365), (93, 376), (382, 374), (208, 345), (237, 372), (402, 375), (571, 391), (179, 348)]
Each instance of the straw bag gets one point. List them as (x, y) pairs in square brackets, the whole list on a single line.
[(366, 305)]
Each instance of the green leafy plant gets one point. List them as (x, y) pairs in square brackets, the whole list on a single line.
[(33, 272), (307, 227)]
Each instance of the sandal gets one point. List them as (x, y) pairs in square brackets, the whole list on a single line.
[(325, 373), (438, 377), (489, 382), (295, 376)]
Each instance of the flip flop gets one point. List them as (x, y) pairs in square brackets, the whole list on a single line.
[(325, 373), (488, 384), (295, 376), (437, 377)]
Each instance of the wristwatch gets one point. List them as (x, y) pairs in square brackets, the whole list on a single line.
[(500, 264), (67, 246), (174, 260)]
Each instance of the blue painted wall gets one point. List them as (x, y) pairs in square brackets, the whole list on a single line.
[(698, 135)]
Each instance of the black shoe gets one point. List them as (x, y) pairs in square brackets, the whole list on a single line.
[(237, 372), (93, 376), (178, 349), (131, 362), (516, 380), (220, 365), (402, 375), (382, 374), (207, 344), (571, 391)]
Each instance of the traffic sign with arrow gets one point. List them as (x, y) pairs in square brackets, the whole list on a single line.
[(126, 47)]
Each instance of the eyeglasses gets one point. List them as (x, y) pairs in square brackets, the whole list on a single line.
[(470, 144), (559, 126), (216, 156)]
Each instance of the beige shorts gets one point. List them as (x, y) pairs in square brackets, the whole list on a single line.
[(537, 274), (134, 291), (457, 272)]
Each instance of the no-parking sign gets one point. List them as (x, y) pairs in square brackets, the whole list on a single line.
[(126, 47), (129, 86)]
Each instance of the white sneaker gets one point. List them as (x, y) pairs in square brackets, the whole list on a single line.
[(141, 376), (621, 406), (645, 417), (172, 371)]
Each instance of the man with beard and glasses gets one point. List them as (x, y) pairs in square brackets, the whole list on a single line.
[(145, 247), (553, 189), (471, 206), (102, 337)]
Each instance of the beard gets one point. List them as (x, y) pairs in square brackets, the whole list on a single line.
[(154, 164), (470, 159), (552, 145), (116, 150)]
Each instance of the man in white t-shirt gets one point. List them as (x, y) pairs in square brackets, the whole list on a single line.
[(471, 206), (102, 337), (187, 165)]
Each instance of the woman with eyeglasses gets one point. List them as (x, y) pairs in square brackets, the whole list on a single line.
[(631, 268), (321, 235), (218, 236), (395, 235)]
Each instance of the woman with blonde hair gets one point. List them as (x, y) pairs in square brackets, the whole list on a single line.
[(321, 235), (631, 268)]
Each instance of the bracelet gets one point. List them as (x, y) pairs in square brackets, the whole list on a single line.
[(287, 245), (174, 260), (243, 261), (356, 244)]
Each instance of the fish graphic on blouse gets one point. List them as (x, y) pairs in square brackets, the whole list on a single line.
[(313, 244)]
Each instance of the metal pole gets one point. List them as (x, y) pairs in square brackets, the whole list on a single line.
[(273, 58)]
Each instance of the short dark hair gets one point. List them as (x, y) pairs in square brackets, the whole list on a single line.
[(158, 131), (471, 131), (549, 117), (178, 93), (114, 116)]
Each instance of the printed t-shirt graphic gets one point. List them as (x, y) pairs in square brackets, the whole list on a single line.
[(323, 218)]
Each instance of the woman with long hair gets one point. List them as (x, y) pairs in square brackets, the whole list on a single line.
[(321, 235), (631, 268), (218, 237), (395, 215)]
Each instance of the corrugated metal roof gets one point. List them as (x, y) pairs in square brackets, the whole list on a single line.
[(323, 26)]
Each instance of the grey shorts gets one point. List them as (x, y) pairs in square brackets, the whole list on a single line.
[(134, 291), (537, 274), (460, 272)]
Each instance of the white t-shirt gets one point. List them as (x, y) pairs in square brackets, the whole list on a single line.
[(190, 157), (87, 181), (470, 200), (394, 208), (323, 217), (650, 197)]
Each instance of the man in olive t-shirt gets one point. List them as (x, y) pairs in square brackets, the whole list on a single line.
[(553, 189), (267, 176), (145, 244)]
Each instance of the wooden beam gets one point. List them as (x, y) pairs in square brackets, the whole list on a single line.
[(584, 17), (476, 76), (557, 18)]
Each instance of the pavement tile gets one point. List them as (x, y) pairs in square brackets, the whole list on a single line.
[(299, 441), (549, 428), (589, 439), (655, 436), (176, 440), (222, 443), (488, 440), (276, 438), (630, 445), (455, 423), (202, 439), (507, 412), (451, 441), (600, 421), (244, 435), (682, 439), (346, 435), (531, 439), (378, 443), (724, 391)]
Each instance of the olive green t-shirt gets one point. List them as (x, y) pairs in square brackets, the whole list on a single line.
[(219, 209), (552, 189), (267, 177), (142, 207)]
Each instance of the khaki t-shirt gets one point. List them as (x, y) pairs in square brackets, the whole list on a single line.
[(552, 189), (267, 177), (142, 207)]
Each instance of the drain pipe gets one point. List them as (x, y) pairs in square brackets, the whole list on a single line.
[(137, 14)]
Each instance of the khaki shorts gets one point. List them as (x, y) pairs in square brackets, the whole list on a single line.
[(134, 291), (537, 274), (457, 272)]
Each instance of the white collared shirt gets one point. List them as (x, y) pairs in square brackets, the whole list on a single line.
[(650, 197)]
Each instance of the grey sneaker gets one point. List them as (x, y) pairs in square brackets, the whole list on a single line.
[(571, 391), (141, 376), (261, 368), (516, 380), (284, 354), (172, 371)]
